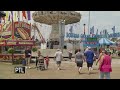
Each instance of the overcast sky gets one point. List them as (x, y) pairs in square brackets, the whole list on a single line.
[(102, 19), (99, 19)]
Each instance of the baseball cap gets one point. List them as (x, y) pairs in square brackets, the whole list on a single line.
[(89, 47), (58, 49)]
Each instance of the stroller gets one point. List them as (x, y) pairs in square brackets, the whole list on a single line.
[(41, 64)]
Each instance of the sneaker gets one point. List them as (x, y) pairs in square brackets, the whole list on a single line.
[(58, 68), (91, 68), (79, 72), (26, 67)]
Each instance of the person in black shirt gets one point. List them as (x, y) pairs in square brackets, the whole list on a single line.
[(28, 56), (70, 55)]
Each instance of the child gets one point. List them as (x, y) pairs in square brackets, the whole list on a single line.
[(24, 62), (47, 62)]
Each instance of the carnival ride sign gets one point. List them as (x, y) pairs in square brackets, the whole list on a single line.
[(114, 35), (91, 42), (25, 43), (72, 35)]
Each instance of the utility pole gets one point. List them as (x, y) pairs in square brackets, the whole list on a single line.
[(61, 34), (84, 28), (89, 23), (34, 33)]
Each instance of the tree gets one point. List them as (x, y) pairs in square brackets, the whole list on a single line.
[(114, 39), (34, 49), (11, 51)]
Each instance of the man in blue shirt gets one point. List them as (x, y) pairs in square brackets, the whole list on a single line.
[(89, 58)]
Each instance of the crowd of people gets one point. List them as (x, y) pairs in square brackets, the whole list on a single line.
[(87, 56)]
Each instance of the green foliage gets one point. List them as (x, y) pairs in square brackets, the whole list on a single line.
[(18, 61), (11, 50), (114, 39), (34, 49)]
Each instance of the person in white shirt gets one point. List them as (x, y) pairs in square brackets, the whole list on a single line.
[(58, 57)]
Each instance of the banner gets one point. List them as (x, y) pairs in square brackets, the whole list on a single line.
[(16, 43), (7, 30), (29, 15), (22, 31), (114, 35), (91, 42)]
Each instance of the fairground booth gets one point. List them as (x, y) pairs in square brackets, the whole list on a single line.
[(15, 35)]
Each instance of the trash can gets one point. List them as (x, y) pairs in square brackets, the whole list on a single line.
[(24, 62)]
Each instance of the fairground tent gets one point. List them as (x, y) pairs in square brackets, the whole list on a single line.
[(105, 41)]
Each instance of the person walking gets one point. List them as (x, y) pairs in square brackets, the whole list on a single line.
[(89, 54), (37, 59), (105, 66), (58, 58), (70, 55), (47, 61), (100, 56), (28, 56), (79, 59)]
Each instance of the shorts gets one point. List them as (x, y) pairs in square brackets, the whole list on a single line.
[(58, 62), (89, 64), (27, 60), (70, 55), (105, 75), (79, 64)]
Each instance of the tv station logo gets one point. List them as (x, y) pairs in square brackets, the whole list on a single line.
[(19, 70)]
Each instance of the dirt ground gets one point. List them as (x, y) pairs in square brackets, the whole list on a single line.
[(69, 71)]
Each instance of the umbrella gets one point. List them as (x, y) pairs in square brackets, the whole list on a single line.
[(105, 41)]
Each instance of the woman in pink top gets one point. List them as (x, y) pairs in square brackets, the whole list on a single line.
[(105, 66)]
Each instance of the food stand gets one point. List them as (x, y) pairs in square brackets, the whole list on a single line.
[(19, 38)]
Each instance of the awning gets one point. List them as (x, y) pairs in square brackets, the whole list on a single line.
[(105, 41)]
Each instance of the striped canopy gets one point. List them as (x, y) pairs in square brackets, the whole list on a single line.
[(105, 41)]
